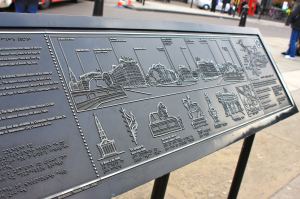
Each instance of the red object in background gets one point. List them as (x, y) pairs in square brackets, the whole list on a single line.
[(251, 4), (46, 3), (252, 7)]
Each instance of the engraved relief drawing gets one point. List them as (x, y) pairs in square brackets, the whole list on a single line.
[(213, 113), (231, 104), (195, 113), (161, 123), (254, 59), (120, 71), (130, 123), (106, 147), (249, 100)]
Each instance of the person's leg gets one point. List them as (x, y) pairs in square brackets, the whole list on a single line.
[(20, 6), (33, 6), (293, 43)]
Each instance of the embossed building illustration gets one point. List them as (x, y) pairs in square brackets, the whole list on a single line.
[(231, 104), (106, 147), (207, 69), (161, 123), (128, 73), (87, 93), (231, 72), (158, 74)]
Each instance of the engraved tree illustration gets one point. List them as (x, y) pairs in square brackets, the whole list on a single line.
[(131, 124)]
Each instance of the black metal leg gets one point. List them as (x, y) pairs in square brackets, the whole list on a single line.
[(160, 186), (98, 8), (240, 168)]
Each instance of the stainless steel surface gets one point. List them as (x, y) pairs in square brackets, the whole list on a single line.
[(89, 113)]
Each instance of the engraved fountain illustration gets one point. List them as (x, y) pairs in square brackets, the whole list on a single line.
[(161, 123), (195, 114), (231, 104), (106, 147)]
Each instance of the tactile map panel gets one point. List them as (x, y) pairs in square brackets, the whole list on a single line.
[(88, 112)]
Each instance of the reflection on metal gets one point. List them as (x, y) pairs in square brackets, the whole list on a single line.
[(207, 69), (231, 72), (106, 147), (231, 104), (128, 73), (161, 123), (131, 124), (255, 60), (158, 74), (194, 112), (249, 99), (214, 113)]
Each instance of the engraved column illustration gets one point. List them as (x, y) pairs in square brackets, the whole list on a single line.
[(106, 147), (161, 123), (195, 114), (213, 113), (231, 104)]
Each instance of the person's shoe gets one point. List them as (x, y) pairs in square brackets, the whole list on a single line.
[(289, 57), (284, 53)]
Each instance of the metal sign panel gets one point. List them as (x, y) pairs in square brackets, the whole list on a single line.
[(93, 114)]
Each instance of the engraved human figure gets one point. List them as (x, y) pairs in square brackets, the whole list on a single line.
[(161, 123), (162, 111), (194, 111)]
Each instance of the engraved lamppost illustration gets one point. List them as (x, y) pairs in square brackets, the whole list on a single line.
[(131, 124), (106, 147), (213, 113), (195, 113), (161, 123), (249, 99), (231, 104)]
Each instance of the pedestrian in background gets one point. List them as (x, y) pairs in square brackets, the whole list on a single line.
[(294, 20), (26, 6)]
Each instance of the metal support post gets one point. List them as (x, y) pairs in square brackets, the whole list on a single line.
[(244, 16), (98, 8), (240, 168), (160, 186)]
